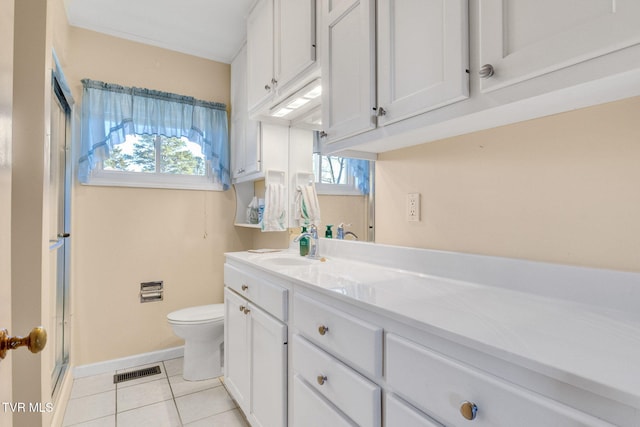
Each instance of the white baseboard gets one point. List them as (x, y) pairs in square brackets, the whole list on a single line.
[(127, 362)]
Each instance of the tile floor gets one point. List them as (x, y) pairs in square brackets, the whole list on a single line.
[(156, 401)]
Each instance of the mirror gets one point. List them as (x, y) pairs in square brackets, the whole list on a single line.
[(343, 197)]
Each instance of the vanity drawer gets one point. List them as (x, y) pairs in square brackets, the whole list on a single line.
[(312, 410), (353, 394), (263, 293), (439, 386), (349, 338), (399, 413)]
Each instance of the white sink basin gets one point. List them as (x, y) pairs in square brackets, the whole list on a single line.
[(287, 261)]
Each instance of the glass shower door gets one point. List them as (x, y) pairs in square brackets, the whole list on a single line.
[(59, 250)]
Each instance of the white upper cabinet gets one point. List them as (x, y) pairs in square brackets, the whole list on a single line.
[(423, 56), (245, 133), (281, 47), (260, 47), (523, 39), (348, 67), (422, 61), (296, 37)]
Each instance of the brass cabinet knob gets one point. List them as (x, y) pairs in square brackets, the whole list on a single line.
[(321, 379), (246, 311), (242, 307), (245, 287), (35, 341), (323, 329), (468, 410)]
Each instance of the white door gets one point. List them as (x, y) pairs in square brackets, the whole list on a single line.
[(6, 91), (348, 67), (523, 39), (423, 56), (236, 348), (268, 369), (296, 35), (260, 78)]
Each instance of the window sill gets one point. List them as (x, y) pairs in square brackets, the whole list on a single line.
[(336, 190), (138, 180)]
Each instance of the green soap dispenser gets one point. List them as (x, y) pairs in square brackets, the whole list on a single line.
[(329, 234), (304, 244)]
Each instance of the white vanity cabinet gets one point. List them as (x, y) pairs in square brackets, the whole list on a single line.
[(409, 350), (256, 347), (421, 55), (330, 351), (281, 47), (312, 410), (450, 390), (521, 39)]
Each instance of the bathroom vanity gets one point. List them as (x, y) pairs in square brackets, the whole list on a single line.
[(376, 335)]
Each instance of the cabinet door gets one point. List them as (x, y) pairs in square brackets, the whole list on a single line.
[(422, 56), (523, 39), (268, 369), (260, 53), (296, 35), (236, 349), (348, 67)]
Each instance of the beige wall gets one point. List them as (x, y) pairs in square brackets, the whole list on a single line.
[(124, 236), (564, 189), (344, 209)]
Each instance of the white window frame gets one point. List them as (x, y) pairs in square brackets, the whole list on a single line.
[(348, 189), (115, 178)]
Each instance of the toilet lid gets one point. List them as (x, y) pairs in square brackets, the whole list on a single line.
[(199, 313)]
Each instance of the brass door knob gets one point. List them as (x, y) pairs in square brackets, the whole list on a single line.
[(35, 341), (468, 410)]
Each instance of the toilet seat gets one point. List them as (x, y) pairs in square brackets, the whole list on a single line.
[(197, 314)]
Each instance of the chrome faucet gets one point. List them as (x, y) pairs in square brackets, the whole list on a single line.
[(314, 243), (346, 233)]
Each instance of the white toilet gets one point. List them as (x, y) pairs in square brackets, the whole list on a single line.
[(202, 328)]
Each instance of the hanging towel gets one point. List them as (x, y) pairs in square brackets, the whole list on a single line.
[(307, 206), (274, 215)]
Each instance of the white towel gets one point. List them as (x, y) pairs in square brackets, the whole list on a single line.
[(307, 206), (274, 215)]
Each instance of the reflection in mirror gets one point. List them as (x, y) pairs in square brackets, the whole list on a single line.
[(345, 194)]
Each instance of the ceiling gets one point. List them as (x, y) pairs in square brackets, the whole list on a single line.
[(212, 29)]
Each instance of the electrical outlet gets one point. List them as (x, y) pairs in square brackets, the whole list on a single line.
[(413, 207)]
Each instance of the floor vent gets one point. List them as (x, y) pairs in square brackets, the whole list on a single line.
[(132, 375)]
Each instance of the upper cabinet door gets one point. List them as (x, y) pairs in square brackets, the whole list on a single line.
[(423, 56), (348, 67), (296, 35), (522, 39), (260, 47)]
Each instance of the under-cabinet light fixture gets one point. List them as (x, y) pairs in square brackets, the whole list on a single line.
[(302, 97)]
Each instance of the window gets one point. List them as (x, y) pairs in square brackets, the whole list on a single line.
[(140, 137), (340, 175)]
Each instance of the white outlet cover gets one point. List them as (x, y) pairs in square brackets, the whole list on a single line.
[(413, 207)]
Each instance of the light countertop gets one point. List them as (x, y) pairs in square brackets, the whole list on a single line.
[(592, 345)]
